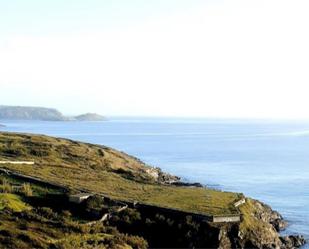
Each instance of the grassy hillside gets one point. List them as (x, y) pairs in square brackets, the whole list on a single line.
[(104, 170), (13, 202), (26, 223)]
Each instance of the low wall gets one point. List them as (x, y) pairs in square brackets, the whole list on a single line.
[(197, 216), (134, 204), (33, 179), (16, 162), (226, 219), (240, 202)]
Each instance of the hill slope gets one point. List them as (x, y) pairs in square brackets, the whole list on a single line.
[(42, 113), (104, 170), (30, 113)]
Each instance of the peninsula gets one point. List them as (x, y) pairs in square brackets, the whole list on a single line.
[(108, 199), (44, 114)]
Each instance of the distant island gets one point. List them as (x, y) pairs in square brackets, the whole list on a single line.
[(43, 113), (90, 117)]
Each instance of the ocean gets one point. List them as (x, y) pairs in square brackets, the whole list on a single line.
[(266, 160)]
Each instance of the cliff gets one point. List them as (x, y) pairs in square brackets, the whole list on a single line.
[(42, 113), (30, 113), (259, 228), (175, 214)]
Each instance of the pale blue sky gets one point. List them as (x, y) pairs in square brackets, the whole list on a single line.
[(56, 16), (229, 58)]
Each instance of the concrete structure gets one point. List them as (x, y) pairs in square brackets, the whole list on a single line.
[(78, 198), (17, 162), (240, 202), (226, 219)]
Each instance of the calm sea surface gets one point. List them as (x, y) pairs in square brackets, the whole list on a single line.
[(265, 160)]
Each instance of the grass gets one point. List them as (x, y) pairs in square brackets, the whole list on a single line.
[(253, 228), (32, 229), (94, 168), (12, 202), (24, 224)]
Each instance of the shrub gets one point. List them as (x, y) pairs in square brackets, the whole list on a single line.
[(26, 189), (94, 202), (66, 214), (6, 186), (47, 212), (135, 242)]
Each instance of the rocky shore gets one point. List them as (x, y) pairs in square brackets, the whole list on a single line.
[(267, 234), (260, 227)]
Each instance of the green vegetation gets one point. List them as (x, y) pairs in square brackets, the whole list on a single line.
[(103, 170), (26, 189), (166, 230), (45, 220), (44, 228), (253, 224), (5, 186), (12, 202), (37, 215)]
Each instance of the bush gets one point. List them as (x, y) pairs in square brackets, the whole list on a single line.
[(94, 202), (26, 189), (47, 212), (135, 242), (66, 214), (6, 186)]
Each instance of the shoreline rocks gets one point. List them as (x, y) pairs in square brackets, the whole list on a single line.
[(188, 184), (293, 241), (261, 228)]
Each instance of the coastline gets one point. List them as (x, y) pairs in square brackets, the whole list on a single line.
[(264, 212), (285, 239)]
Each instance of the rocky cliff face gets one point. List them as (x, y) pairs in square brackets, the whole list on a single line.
[(259, 228)]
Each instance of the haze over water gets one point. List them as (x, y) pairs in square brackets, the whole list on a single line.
[(265, 160)]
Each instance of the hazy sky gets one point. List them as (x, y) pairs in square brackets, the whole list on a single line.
[(233, 58)]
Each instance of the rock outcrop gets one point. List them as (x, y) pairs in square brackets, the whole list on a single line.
[(161, 177), (260, 229), (293, 241)]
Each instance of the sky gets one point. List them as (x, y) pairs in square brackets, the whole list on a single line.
[(223, 58)]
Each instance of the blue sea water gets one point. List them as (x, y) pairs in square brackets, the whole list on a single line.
[(265, 160)]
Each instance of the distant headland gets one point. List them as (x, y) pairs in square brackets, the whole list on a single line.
[(43, 113)]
